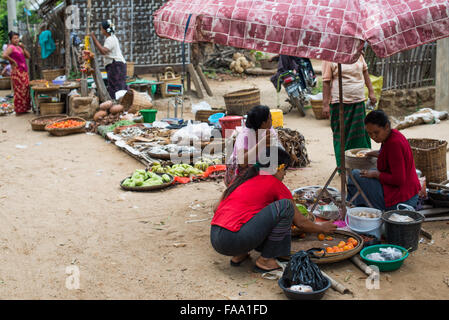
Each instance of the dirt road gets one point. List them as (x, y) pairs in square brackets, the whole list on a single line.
[(62, 211)]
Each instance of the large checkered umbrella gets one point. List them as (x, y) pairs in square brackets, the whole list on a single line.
[(332, 30)]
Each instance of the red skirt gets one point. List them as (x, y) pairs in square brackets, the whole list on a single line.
[(21, 87)]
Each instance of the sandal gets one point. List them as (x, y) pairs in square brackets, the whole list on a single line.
[(237, 264), (260, 270)]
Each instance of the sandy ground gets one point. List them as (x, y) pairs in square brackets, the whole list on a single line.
[(62, 210)]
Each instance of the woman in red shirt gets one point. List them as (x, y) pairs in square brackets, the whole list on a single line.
[(257, 211), (395, 181)]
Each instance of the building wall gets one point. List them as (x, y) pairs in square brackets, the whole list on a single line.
[(133, 20)]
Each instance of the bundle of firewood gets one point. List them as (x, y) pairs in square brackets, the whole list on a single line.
[(295, 144)]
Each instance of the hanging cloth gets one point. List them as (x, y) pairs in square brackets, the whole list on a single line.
[(47, 44)]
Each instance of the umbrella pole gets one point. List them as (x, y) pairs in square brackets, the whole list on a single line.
[(342, 144)]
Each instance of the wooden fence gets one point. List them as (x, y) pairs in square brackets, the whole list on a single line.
[(405, 70)]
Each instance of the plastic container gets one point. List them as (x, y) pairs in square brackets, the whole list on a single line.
[(230, 123), (295, 295), (213, 119), (149, 115), (404, 234), (277, 118), (384, 265), (362, 223)]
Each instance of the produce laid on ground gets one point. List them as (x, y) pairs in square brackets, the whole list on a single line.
[(342, 246), (184, 170), (144, 178), (6, 108)]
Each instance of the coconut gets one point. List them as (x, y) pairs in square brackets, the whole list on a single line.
[(100, 115), (117, 108)]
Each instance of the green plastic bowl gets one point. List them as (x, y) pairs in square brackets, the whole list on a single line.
[(384, 265)]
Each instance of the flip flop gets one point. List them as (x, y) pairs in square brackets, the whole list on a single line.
[(260, 270), (237, 264)]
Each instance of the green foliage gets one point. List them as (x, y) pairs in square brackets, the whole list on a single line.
[(3, 22)]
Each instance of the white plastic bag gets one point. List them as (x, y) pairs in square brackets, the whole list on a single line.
[(119, 94), (192, 132), (203, 105)]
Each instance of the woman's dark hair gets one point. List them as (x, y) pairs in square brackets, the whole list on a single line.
[(256, 116), (282, 158), (11, 34), (377, 117)]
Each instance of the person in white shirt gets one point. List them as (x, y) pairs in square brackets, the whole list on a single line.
[(114, 61)]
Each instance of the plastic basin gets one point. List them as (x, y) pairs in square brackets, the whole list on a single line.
[(384, 265), (215, 117), (295, 295), (149, 115)]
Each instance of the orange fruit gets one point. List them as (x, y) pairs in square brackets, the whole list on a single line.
[(320, 252), (351, 246), (329, 238), (341, 244), (352, 240), (355, 243), (335, 248), (329, 250), (346, 248), (321, 237)]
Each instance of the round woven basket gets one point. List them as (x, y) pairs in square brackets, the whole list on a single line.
[(66, 131), (317, 107), (240, 102), (430, 158), (51, 108), (133, 101), (50, 75), (39, 123), (203, 115)]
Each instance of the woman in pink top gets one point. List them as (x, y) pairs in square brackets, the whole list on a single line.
[(16, 54), (257, 134)]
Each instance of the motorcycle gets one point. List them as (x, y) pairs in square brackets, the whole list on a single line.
[(298, 86)]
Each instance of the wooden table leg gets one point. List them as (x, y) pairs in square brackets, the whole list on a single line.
[(359, 189)]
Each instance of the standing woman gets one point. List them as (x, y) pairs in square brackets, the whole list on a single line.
[(16, 54), (354, 77), (113, 58)]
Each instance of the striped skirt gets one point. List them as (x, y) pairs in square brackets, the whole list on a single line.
[(355, 133)]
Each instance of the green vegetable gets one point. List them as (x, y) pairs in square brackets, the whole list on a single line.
[(302, 209)]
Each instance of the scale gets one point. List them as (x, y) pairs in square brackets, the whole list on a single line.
[(177, 91)]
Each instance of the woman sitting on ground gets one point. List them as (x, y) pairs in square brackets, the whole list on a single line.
[(257, 211), (257, 132), (395, 181)]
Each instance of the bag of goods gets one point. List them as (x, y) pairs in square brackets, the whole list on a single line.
[(385, 254), (300, 270)]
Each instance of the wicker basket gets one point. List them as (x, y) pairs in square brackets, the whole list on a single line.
[(430, 158), (203, 115), (240, 102), (133, 101), (317, 107), (66, 131), (46, 119), (168, 77), (5, 83), (130, 69), (51, 108), (51, 75)]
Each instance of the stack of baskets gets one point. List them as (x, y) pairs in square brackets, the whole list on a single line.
[(430, 158), (240, 102), (129, 69)]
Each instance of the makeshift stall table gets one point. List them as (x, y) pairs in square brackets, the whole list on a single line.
[(149, 86), (37, 93)]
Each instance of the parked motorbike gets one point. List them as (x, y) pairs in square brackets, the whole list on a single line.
[(298, 85)]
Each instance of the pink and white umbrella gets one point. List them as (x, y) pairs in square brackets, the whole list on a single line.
[(332, 30)]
